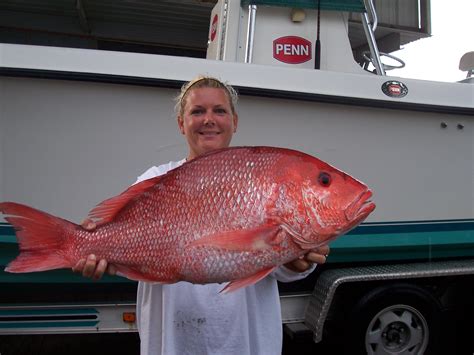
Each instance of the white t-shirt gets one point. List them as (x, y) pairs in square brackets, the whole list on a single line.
[(183, 318)]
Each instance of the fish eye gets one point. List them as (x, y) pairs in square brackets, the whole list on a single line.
[(324, 179)]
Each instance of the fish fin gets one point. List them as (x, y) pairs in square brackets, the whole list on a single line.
[(259, 238), (40, 237), (235, 285), (105, 211)]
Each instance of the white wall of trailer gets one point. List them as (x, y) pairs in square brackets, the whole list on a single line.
[(67, 145)]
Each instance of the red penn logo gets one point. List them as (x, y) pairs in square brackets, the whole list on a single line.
[(214, 27), (292, 49), (394, 88)]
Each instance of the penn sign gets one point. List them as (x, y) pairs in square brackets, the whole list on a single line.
[(292, 49)]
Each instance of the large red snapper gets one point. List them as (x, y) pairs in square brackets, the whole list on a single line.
[(230, 215)]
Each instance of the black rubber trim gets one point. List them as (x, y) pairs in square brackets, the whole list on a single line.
[(243, 90)]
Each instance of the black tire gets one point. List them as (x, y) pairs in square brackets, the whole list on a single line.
[(395, 319)]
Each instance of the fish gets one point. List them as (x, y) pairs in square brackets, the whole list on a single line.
[(230, 216)]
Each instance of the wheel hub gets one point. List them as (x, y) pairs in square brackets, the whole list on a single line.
[(396, 335)]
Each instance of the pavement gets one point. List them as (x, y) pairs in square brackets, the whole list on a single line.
[(104, 344)]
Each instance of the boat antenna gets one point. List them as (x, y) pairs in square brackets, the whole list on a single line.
[(317, 49)]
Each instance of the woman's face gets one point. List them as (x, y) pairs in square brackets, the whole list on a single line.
[(207, 120)]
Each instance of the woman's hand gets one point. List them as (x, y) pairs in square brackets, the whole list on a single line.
[(90, 267), (315, 256)]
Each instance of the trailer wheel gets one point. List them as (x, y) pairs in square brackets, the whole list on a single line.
[(396, 319)]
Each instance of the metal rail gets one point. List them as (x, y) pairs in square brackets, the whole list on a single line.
[(67, 318), (369, 33), (250, 33)]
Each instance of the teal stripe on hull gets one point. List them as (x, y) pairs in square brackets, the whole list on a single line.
[(413, 227), (47, 312), (38, 325), (403, 246), (7, 233), (381, 241)]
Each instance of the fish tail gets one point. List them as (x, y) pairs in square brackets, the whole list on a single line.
[(40, 237)]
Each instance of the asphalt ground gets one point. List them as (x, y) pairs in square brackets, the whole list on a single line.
[(104, 344)]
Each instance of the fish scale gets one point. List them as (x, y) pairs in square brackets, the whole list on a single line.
[(230, 215)]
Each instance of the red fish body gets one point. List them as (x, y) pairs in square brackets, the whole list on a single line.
[(230, 215)]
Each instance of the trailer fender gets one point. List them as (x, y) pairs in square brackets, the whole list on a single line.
[(329, 280)]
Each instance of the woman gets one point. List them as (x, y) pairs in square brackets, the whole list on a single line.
[(183, 318)]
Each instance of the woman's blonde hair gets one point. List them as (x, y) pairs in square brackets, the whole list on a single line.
[(205, 82)]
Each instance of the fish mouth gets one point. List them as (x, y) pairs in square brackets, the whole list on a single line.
[(360, 208)]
